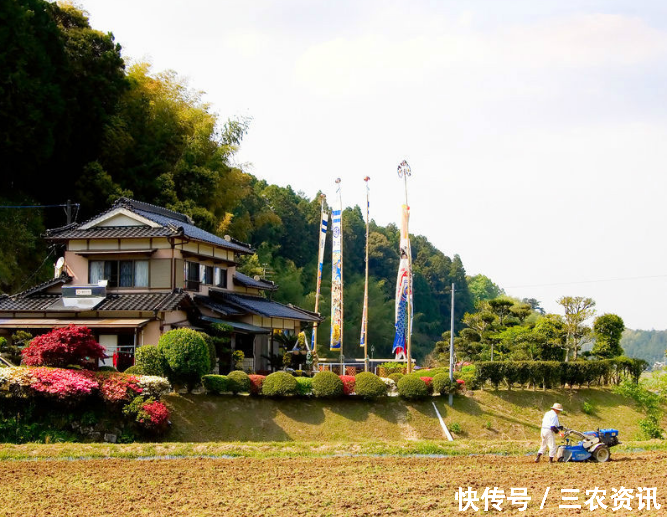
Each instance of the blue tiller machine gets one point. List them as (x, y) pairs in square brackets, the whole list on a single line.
[(593, 445)]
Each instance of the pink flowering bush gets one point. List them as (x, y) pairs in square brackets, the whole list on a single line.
[(348, 384), (61, 347), (118, 387), (64, 384), (256, 382)]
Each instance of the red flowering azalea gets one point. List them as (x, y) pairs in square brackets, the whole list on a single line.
[(256, 382), (348, 384), (63, 384), (154, 416), (61, 347)]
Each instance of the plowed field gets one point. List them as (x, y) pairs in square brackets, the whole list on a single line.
[(316, 486)]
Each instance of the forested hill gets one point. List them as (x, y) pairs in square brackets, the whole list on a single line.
[(75, 123), (650, 345)]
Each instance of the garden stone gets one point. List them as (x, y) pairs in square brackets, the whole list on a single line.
[(96, 436), (109, 437)]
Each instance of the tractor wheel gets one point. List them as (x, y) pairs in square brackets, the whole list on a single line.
[(601, 454)]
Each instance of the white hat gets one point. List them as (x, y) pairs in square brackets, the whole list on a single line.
[(557, 407)]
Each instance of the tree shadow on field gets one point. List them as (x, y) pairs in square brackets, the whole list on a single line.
[(392, 410), (351, 408), (229, 418), (307, 411)]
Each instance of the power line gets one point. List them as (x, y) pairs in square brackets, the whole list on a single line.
[(588, 281), (38, 206)]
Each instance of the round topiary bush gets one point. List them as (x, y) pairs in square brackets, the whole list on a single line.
[(304, 386), (215, 383), (186, 355), (279, 384), (412, 388), (327, 385), (369, 386), (149, 359), (442, 384), (395, 376), (238, 382)]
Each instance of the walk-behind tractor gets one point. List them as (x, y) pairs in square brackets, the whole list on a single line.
[(593, 445)]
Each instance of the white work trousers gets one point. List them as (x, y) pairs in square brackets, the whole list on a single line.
[(548, 440)]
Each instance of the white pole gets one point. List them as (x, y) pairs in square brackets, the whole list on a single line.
[(451, 347)]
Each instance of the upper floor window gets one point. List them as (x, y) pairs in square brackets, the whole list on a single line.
[(220, 279), (201, 274), (119, 273)]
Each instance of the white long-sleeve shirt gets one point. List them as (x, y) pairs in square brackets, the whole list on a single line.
[(550, 420)]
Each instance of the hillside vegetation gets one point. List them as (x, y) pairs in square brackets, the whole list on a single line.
[(481, 415)]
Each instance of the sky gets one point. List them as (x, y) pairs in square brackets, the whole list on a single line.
[(535, 131)]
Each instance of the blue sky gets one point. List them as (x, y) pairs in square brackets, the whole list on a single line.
[(535, 130)]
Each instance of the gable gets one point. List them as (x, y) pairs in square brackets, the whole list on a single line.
[(118, 218)]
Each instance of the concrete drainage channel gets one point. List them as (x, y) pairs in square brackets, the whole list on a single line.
[(442, 423)]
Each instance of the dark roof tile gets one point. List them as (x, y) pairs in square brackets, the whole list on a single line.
[(246, 281), (263, 306)]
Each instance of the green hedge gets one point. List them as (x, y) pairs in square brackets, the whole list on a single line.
[(279, 384), (412, 388), (327, 385), (238, 382), (550, 374), (369, 386), (395, 376), (215, 383)]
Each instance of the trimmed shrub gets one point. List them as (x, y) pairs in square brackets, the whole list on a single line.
[(395, 376), (154, 386), (186, 355), (151, 362), (369, 386), (429, 384), (412, 388), (327, 385), (135, 370), (215, 383), (238, 382), (118, 387), (304, 386), (256, 382), (70, 385), (348, 384), (72, 345), (107, 369), (212, 354), (279, 384), (442, 384)]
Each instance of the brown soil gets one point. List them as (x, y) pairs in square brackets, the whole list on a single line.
[(309, 487)]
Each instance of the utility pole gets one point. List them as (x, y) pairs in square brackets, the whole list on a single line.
[(451, 346)]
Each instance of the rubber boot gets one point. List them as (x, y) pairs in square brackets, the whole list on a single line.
[(537, 459), (551, 460)]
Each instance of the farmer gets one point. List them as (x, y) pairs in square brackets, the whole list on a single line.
[(550, 426)]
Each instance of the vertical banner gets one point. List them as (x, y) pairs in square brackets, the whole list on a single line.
[(404, 280), (364, 314), (324, 223), (337, 277)]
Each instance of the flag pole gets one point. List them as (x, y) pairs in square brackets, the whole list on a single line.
[(322, 233), (336, 340), (404, 171), (364, 317)]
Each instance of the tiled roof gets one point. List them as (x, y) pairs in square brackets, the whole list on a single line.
[(28, 304), (115, 232), (113, 302), (263, 306), (246, 281), (173, 223), (144, 301), (218, 306), (62, 279)]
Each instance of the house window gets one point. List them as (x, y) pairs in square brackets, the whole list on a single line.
[(192, 276), (119, 273), (220, 279)]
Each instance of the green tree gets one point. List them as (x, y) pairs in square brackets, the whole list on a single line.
[(577, 310), (482, 288), (607, 331)]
